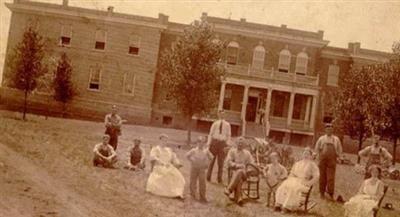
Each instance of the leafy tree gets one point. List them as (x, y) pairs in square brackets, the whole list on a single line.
[(64, 90), (361, 102), (189, 71), (25, 64), (392, 70)]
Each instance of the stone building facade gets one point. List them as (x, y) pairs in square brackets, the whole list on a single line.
[(285, 74)]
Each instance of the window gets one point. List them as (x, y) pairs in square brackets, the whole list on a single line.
[(94, 80), (66, 35), (333, 75), (134, 44), (258, 57), (101, 37), (301, 63), (232, 53), (284, 60), (129, 83), (227, 99)]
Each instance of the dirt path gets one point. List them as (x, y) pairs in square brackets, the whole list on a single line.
[(41, 194)]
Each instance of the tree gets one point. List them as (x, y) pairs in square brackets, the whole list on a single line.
[(392, 70), (189, 71), (361, 102), (25, 64), (64, 90)]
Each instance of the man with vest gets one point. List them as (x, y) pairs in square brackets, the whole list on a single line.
[(375, 154), (104, 154), (113, 124), (219, 136), (328, 148)]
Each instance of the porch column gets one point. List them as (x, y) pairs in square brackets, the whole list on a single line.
[(313, 112), (308, 108), (268, 104), (222, 96), (244, 107), (290, 112)]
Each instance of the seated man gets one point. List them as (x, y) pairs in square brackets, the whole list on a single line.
[(137, 156), (104, 154), (237, 160)]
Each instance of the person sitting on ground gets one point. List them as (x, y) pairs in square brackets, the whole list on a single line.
[(137, 156), (237, 159), (104, 154), (199, 157), (375, 154), (274, 174), (367, 198), (303, 175), (165, 178)]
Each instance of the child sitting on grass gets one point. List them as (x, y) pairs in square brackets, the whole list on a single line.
[(274, 174)]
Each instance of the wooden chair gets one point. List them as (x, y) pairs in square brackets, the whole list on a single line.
[(251, 187), (385, 189), (305, 204)]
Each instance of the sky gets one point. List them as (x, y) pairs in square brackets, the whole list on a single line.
[(376, 24)]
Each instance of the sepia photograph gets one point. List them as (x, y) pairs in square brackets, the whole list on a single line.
[(190, 108)]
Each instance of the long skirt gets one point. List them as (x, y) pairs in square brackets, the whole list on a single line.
[(360, 205), (289, 193), (166, 181)]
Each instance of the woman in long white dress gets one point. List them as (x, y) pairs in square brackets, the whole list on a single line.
[(165, 179), (303, 175), (367, 198)]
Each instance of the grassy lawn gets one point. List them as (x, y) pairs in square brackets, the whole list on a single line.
[(46, 171)]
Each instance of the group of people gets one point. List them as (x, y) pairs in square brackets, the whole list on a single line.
[(286, 189)]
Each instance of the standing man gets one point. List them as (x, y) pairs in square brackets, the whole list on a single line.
[(113, 124), (328, 148), (220, 134)]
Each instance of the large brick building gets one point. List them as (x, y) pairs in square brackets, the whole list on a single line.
[(287, 73)]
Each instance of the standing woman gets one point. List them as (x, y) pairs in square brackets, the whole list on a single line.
[(367, 198), (165, 179)]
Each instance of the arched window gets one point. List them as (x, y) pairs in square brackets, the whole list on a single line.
[(232, 53), (258, 57), (284, 60), (301, 63)]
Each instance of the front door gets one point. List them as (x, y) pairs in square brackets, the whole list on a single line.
[(251, 111)]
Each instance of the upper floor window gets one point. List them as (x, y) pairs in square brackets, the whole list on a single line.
[(94, 79), (258, 57), (284, 60), (101, 37), (333, 75), (301, 63), (232, 53), (66, 35), (134, 45), (129, 83)]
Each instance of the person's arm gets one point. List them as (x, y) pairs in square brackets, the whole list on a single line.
[(209, 154), (107, 121), (113, 153), (189, 154), (339, 147), (96, 151), (284, 173), (379, 192), (386, 154), (143, 158), (228, 133), (175, 161), (315, 175), (119, 121), (317, 148), (212, 128), (229, 159), (361, 189), (364, 152)]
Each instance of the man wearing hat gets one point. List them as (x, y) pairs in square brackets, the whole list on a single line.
[(328, 148), (137, 156)]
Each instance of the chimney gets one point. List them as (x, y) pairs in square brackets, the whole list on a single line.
[(283, 26), (321, 34), (110, 10), (242, 20), (354, 47), (65, 3), (162, 18)]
